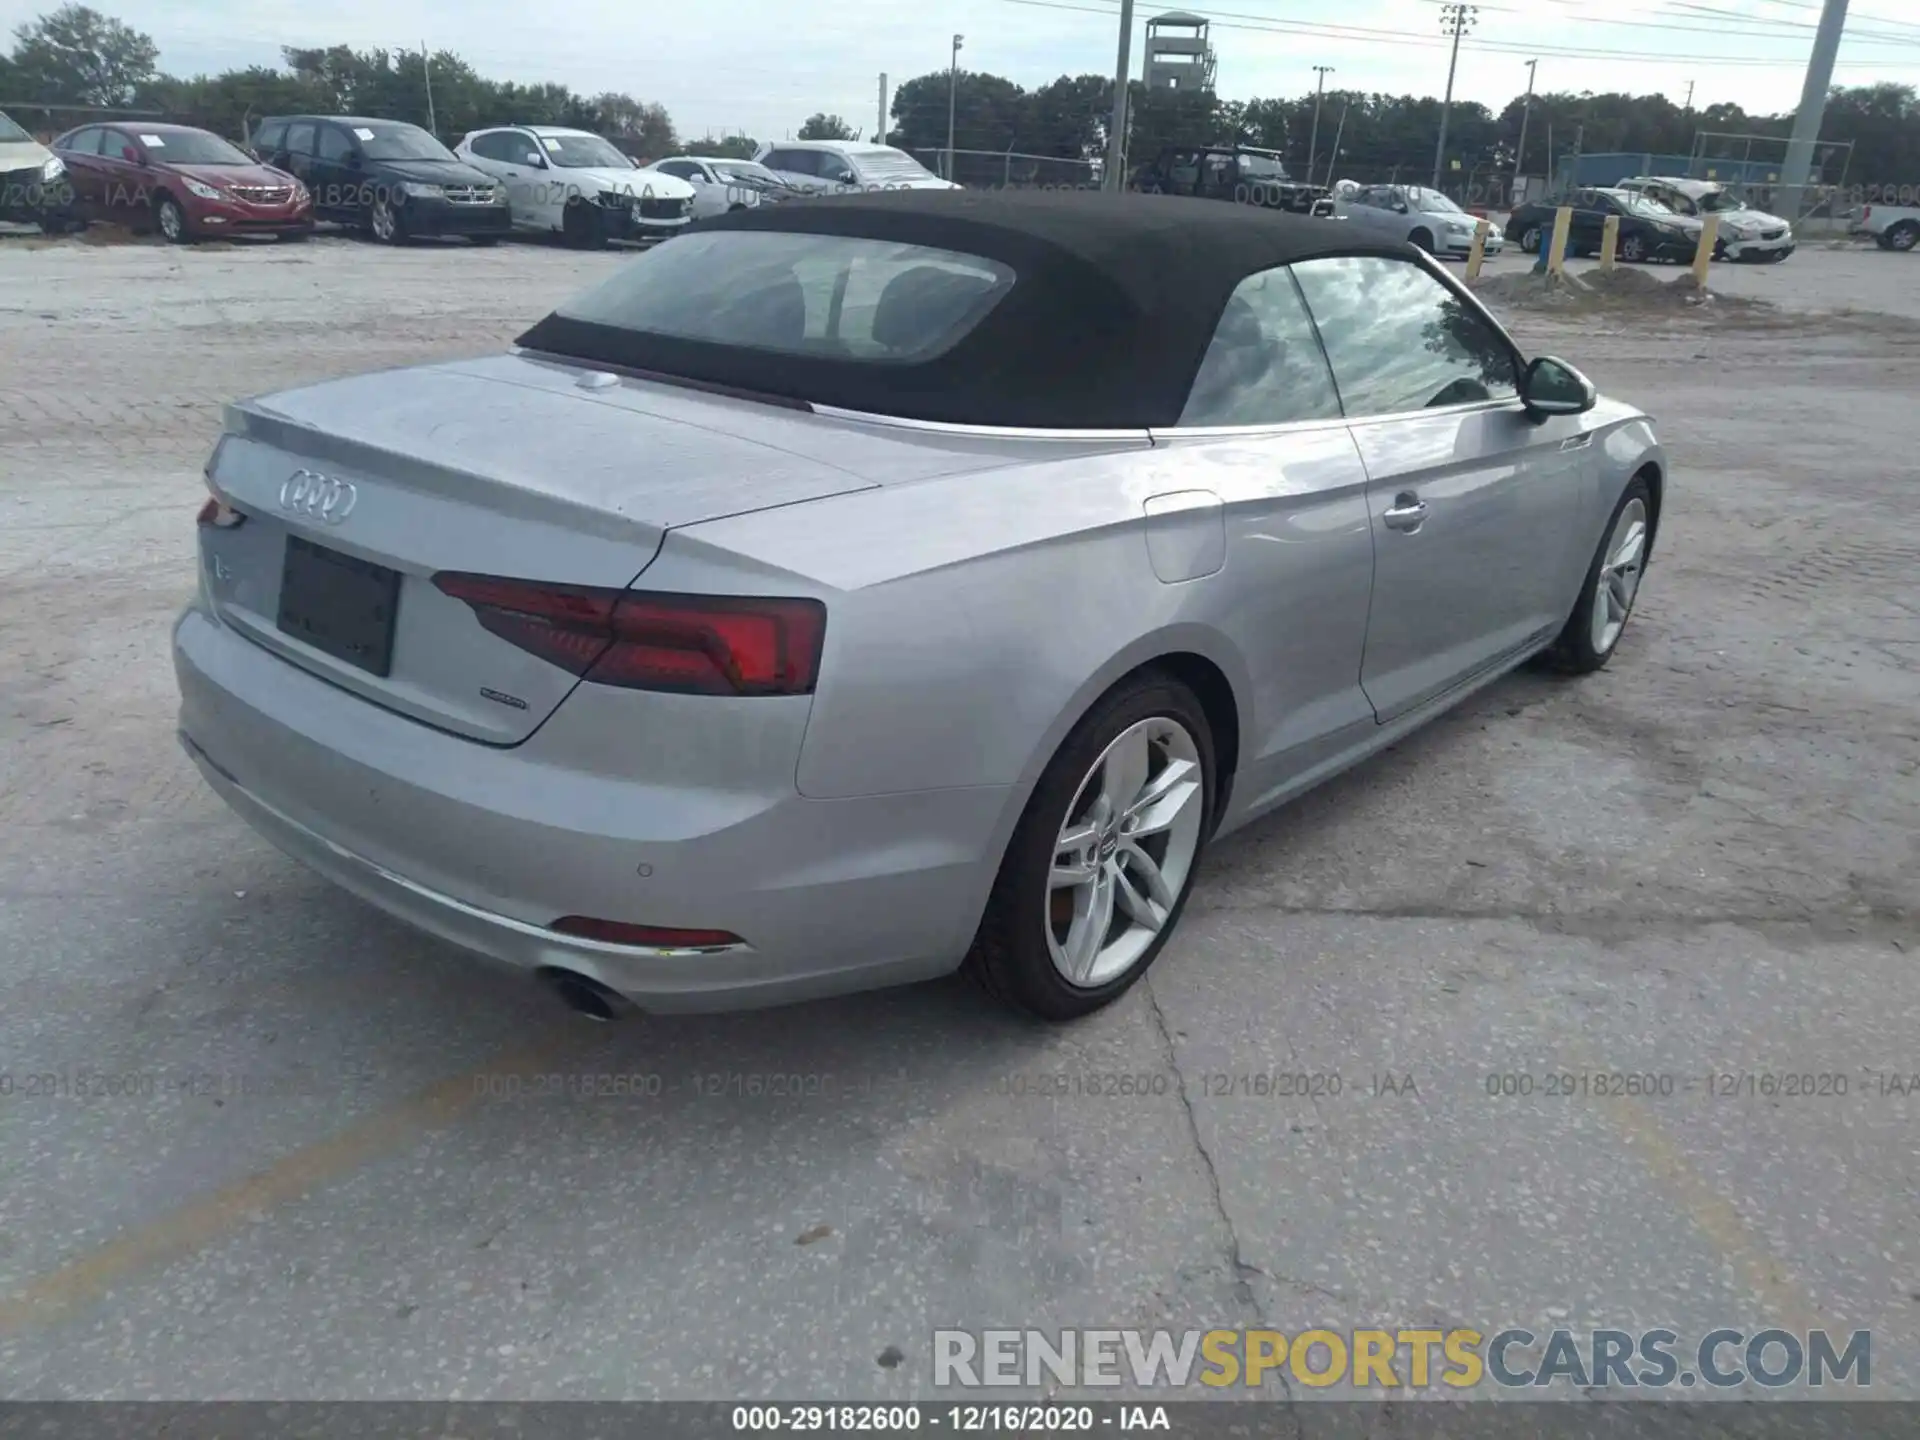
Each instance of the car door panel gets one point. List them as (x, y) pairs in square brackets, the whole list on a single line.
[(1477, 575), (1470, 499)]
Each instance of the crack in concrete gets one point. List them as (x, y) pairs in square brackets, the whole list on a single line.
[(1236, 1260)]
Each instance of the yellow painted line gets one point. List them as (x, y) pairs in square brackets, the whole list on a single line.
[(1712, 1214), (197, 1225)]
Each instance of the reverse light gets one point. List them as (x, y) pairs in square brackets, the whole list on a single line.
[(642, 640), (650, 937)]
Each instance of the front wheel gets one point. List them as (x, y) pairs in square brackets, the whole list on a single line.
[(1633, 249), (1100, 866), (171, 221), (385, 222), (1530, 240), (1592, 633), (1422, 240)]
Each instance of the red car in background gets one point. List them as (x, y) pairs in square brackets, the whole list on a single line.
[(185, 183)]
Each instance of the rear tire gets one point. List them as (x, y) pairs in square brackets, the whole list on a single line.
[(1633, 249), (1586, 643), (1422, 240), (1042, 946), (1903, 236), (1530, 240)]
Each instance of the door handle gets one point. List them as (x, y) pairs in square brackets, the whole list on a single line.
[(1408, 512)]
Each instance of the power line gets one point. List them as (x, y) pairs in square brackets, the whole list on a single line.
[(1230, 20)]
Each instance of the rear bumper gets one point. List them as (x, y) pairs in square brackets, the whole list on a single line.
[(485, 846)]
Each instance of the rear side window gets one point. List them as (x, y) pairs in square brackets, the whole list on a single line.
[(1399, 340), (800, 162), (829, 297), (509, 146), (1264, 365)]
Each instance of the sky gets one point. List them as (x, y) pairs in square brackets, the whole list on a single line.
[(763, 66)]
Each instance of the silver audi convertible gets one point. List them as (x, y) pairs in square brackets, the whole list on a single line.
[(858, 589)]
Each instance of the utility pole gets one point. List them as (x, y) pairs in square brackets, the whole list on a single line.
[(1456, 19), (953, 80), (1687, 109), (1813, 106), (1117, 129), (1333, 156), (1526, 113), (426, 68), (880, 135), (1313, 145)]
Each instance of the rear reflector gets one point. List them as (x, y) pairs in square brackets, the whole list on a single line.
[(684, 644), (653, 937)]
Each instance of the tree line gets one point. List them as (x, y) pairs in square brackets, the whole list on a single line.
[(78, 57)]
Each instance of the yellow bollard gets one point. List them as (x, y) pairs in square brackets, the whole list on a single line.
[(1557, 251), (1477, 256), (1703, 256), (1609, 238)]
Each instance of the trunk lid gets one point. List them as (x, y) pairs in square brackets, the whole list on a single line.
[(399, 475)]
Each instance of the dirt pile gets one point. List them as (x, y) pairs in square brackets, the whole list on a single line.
[(1622, 290)]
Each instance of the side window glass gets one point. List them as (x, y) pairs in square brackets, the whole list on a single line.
[(269, 137), (1264, 365), (334, 144), (300, 139), (1399, 340), (85, 142)]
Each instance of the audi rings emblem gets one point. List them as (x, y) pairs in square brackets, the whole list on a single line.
[(318, 497)]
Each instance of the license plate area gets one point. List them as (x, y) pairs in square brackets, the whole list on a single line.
[(340, 605)]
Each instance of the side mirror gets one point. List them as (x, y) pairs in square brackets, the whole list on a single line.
[(535, 159), (1553, 387)]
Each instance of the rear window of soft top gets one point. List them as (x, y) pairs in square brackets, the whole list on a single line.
[(832, 297)]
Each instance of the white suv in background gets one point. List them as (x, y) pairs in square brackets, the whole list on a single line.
[(833, 166), (576, 184), (1745, 233)]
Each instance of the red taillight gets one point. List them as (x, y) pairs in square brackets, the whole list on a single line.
[(687, 644), (657, 937)]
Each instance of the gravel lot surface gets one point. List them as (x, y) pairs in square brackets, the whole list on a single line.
[(339, 1176)]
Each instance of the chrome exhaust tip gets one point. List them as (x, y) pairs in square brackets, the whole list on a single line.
[(584, 995)]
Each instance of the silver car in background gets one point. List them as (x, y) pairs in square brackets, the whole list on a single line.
[(852, 590), (1422, 217)]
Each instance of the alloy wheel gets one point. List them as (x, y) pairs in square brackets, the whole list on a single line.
[(1633, 248), (1620, 572), (1530, 240), (384, 223), (1125, 851), (171, 226)]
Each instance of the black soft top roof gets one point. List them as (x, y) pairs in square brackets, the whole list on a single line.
[(1114, 301)]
